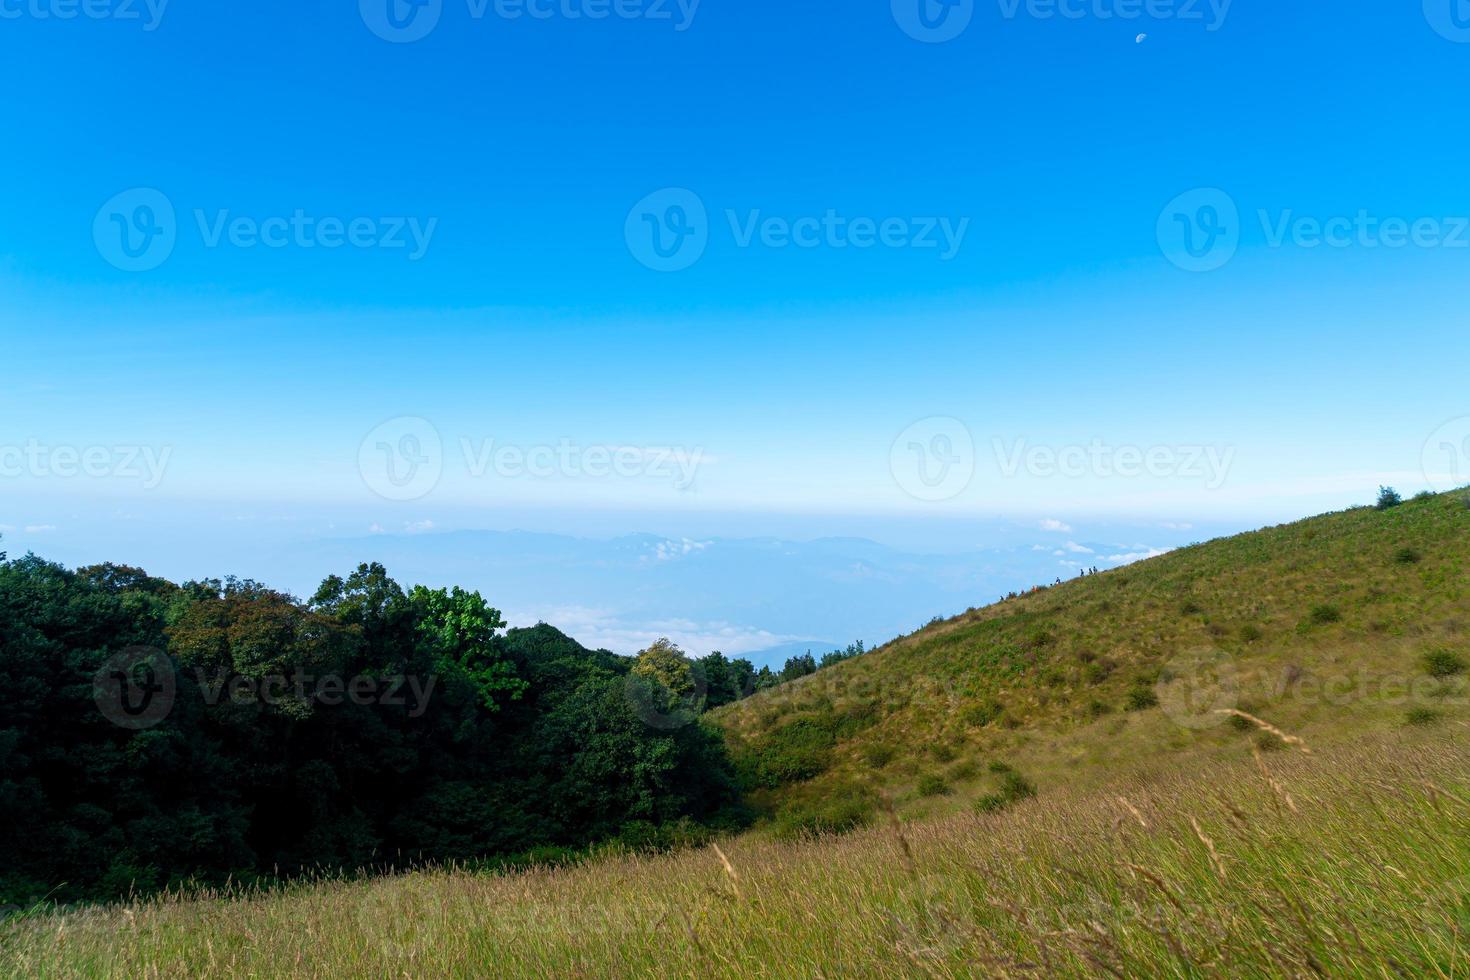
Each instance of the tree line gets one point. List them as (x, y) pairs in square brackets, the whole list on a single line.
[(157, 735)]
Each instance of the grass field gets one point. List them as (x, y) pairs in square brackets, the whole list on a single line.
[(1245, 758), (1344, 862), (1327, 626)]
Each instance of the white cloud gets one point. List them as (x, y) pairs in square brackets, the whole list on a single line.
[(669, 550), (1078, 549), (1171, 526), (39, 528), (1132, 556), (418, 527), (600, 628), (376, 528), (1051, 524)]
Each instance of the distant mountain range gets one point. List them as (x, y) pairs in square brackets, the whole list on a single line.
[(761, 598)]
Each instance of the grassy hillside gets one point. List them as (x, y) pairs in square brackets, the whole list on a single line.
[(1095, 806), (1343, 862), (1331, 627)]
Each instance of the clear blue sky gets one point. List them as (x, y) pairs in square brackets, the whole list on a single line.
[(525, 144)]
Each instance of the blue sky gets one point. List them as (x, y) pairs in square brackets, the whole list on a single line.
[(1029, 293)]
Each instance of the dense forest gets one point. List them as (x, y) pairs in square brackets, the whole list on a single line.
[(155, 735)]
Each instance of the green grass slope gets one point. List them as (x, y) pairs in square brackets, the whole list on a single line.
[(1345, 862), (1332, 628)]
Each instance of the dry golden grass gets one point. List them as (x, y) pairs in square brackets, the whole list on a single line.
[(1207, 873)]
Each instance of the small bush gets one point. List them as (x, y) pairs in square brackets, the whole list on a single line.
[(942, 751), (1241, 724), (1424, 495), (1191, 608), (1250, 633), (1267, 742), (1097, 671), (1097, 709), (838, 816), (1407, 556), (1388, 497), (1141, 698), (1443, 663), (1421, 716), (962, 771), (933, 784), (878, 754), (1323, 614), (1013, 789), (982, 714)]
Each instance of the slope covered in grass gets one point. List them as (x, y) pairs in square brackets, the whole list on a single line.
[(1336, 627), (1349, 861)]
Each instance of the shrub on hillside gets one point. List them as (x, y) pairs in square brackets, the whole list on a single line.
[(1388, 497), (1406, 556), (1443, 663), (844, 812), (1421, 716), (942, 751), (1013, 788), (982, 714), (1323, 614), (1269, 742), (1141, 697), (1250, 633), (796, 751), (961, 771), (933, 784), (878, 754)]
